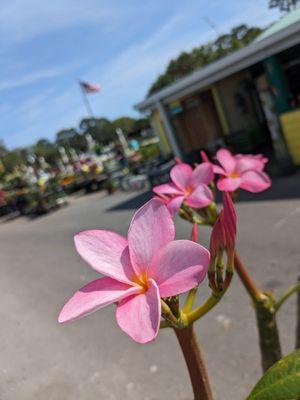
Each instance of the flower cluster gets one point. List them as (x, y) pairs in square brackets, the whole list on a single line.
[(145, 272), (188, 186), (241, 171)]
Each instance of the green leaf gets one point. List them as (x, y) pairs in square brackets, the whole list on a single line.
[(281, 381)]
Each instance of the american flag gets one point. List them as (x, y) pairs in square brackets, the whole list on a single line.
[(89, 87)]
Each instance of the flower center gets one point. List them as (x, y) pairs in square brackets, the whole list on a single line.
[(189, 191), (233, 175), (141, 280)]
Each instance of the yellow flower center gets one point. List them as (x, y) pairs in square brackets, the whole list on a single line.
[(141, 280), (189, 191), (233, 175)]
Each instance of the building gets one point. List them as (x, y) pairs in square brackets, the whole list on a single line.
[(247, 100)]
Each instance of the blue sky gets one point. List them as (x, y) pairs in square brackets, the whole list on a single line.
[(45, 46)]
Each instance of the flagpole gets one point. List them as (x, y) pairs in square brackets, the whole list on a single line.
[(86, 101)]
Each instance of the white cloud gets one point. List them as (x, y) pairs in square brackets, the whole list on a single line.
[(32, 77), (22, 20)]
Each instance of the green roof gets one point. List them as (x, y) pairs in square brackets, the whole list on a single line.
[(285, 21)]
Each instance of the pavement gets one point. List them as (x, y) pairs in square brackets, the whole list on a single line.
[(92, 358)]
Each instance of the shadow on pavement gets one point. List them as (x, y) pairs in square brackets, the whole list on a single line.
[(282, 188), (133, 202)]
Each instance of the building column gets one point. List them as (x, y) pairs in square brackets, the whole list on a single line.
[(169, 129), (280, 95)]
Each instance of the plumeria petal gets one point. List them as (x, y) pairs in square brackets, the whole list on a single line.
[(219, 170), (106, 252), (226, 159), (229, 184), (247, 162), (181, 266), (150, 230), (255, 181), (139, 315), (175, 204), (93, 296), (202, 174), (181, 175), (200, 197), (167, 188)]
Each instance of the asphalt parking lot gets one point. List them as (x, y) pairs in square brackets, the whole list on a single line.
[(91, 358)]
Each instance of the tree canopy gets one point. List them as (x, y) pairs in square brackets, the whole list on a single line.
[(284, 5), (188, 62)]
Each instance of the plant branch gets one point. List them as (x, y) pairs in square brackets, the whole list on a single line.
[(204, 308), (293, 289), (269, 340), (164, 324), (195, 363), (298, 319)]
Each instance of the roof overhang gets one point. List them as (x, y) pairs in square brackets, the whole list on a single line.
[(218, 70)]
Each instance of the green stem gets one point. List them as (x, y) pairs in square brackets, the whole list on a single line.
[(164, 324), (293, 289), (204, 308), (195, 363), (190, 299)]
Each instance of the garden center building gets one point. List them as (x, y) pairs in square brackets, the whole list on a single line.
[(247, 100)]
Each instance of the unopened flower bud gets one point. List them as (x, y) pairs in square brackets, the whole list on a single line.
[(223, 239), (194, 233), (204, 156)]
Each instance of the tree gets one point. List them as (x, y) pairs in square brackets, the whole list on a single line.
[(101, 129), (44, 148), (141, 123), (284, 5), (186, 63), (125, 123), (11, 160), (65, 135)]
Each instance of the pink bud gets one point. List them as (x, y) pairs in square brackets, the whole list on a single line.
[(177, 160), (224, 231), (194, 233), (217, 238), (204, 156), (230, 220)]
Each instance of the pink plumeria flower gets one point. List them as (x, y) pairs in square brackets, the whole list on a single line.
[(245, 172), (188, 185), (139, 270)]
